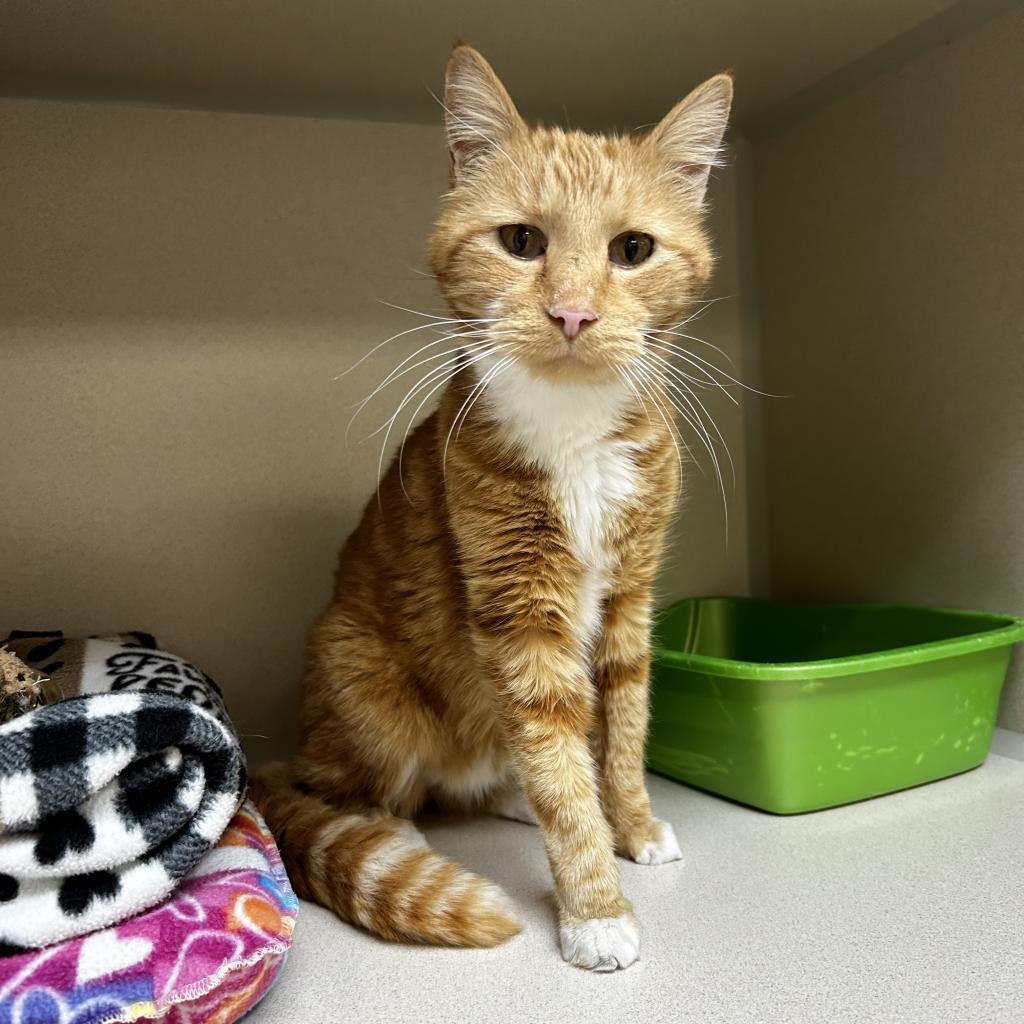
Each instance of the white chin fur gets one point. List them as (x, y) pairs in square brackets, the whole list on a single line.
[(662, 850), (601, 944)]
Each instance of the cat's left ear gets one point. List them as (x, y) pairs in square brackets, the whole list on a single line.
[(690, 135)]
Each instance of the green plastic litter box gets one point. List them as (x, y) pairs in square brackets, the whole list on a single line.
[(796, 707)]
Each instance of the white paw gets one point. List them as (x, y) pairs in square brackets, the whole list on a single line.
[(602, 944), (516, 807), (660, 851)]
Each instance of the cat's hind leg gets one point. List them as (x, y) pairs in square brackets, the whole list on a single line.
[(510, 802)]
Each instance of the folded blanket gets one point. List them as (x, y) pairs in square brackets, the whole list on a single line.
[(109, 797), (205, 955)]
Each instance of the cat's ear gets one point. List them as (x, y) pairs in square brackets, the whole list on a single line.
[(690, 135), (479, 114)]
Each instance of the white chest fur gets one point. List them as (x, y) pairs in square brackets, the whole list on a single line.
[(566, 430)]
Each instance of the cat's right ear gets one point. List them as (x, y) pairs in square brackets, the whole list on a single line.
[(479, 113), (690, 135)]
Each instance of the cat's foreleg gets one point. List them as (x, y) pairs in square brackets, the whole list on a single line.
[(545, 703), (621, 673)]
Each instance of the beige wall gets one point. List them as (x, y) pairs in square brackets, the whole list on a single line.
[(178, 291), (892, 303)]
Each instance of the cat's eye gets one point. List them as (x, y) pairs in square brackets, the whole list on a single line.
[(630, 248), (523, 240)]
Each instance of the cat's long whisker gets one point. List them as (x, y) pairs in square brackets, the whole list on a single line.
[(707, 381), (686, 447), (467, 406), (450, 335), (705, 305), (700, 365), (686, 394), (394, 337), (718, 475), (422, 273), (689, 394), (693, 355), (689, 453), (705, 435), (448, 439), (711, 382), (657, 331), (434, 316), (672, 431), (477, 357), (683, 392), (447, 334), (445, 377), (396, 372), (495, 371), (687, 417), (627, 380), (697, 423), (432, 374)]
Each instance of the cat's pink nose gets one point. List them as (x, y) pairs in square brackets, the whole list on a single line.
[(572, 319)]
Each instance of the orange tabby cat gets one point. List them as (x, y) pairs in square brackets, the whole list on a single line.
[(489, 627)]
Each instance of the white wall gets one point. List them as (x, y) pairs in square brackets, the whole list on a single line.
[(892, 301), (178, 291)]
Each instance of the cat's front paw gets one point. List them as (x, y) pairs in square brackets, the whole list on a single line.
[(600, 944), (659, 850)]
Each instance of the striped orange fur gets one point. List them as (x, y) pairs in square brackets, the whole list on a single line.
[(489, 630)]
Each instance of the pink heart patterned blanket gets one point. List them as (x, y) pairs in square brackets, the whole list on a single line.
[(206, 955)]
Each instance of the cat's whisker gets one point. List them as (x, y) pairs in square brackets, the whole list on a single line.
[(442, 318), (652, 371), (448, 439), (394, 337), (693, 355), (477, 357), (627, 380), (445, 376), (721, 351), (438, 377), (495, 371), (481, 335), (449, 335), (698, 424), (654, 348), (714, 426), (683, 391), (657, 331), (427, 378), (398, 372), (702, 366), (422, 273), (672, 430), (711, 381), (705, 305), (686, 447), (686, 394)]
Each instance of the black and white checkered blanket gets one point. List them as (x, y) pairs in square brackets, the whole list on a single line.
[(110, 796)]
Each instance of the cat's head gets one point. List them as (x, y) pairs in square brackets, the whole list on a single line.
[(575, 244)]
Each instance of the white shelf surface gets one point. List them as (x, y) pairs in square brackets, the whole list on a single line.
[(906, 909)]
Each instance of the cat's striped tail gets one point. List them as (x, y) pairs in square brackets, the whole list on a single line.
[(376, 870)]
